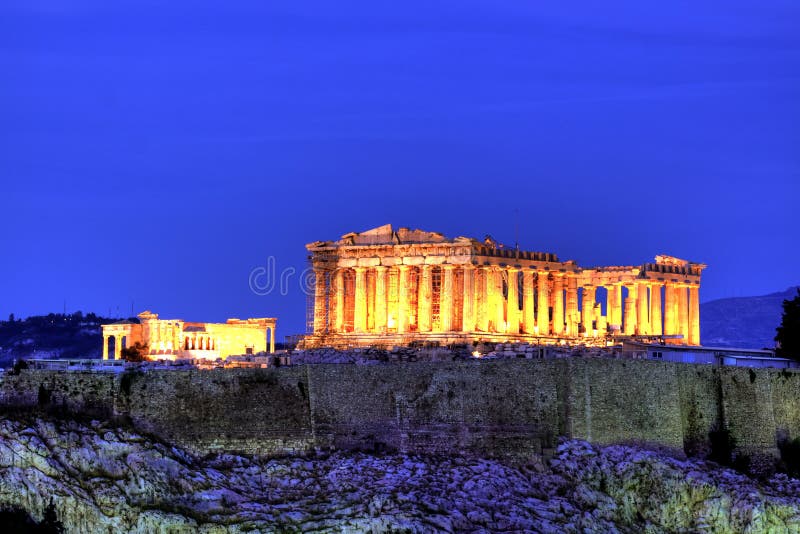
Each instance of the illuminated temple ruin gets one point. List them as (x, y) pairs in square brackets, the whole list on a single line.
[(394, 287), (175, 339)]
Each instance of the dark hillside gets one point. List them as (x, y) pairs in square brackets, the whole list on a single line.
[(55, 335)]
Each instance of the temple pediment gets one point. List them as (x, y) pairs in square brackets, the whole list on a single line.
[(387, 235), (663, 259)]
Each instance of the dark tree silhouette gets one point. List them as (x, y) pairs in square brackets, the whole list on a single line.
[(788, 336), (18, 520), (135, 353), (50, 522)]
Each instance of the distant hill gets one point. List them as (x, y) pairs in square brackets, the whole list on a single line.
[(55, 335), (746, 322)]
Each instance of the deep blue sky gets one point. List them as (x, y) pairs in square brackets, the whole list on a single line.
[(160, 152)]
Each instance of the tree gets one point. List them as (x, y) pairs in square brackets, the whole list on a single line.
[(10, 317), (136, 353), (50, 522), (788, 336)]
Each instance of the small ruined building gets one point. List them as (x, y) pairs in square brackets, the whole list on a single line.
[(174, 339), (395, 287)]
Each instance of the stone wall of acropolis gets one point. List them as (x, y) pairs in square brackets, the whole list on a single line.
[(501, 407)]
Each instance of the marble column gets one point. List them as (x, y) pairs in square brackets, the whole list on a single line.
[(360, 302), (611, 300), (512, 310), (272, 339), (630, 311), (694, 315), (543, 310), (403, 296), (496, 302), (572, 306), (642, 311), (615, 306), (601, 322), (558, 304), (468, 310), (655, 309), (117, 347), (446, 299), (370, 277), (481, 298), (424, 300), (683, 313), (670, 310), (105, 347), (587, 316), (528, 317), (490, 305), (338, 313), (320, 302), (381, 298)]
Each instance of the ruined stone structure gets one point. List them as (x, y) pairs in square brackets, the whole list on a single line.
[(174, 339), (394, 287)]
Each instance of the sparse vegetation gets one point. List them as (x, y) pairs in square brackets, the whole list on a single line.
[(723, 447), (127, 379), (19, 366)]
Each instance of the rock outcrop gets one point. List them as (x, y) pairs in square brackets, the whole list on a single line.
[(103, 477)]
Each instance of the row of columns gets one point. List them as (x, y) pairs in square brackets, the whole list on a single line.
[(484, 306), (199, 343), (117, 346), (641, 311), (549, 303)]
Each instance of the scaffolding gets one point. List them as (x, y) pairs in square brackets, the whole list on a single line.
[(436, 291), (310, 301), (325, 263)]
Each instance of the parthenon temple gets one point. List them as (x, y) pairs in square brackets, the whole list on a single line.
[(175, 339), (394, 287)]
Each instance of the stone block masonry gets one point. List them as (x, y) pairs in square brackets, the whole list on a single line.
[(492, 408)]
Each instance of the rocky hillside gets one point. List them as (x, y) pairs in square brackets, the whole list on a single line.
[(105, 478), (746, 322)]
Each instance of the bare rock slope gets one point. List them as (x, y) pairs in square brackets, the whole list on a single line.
[(105, 478)]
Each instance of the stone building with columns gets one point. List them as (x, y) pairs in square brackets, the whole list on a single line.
[(386, 287), (175, 339)]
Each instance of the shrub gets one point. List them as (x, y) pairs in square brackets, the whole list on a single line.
[(722, 445), (136, 353), (790, 457)]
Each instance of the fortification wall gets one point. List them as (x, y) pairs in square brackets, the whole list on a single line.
[(501, 407), (79, 392), (255, 411), (612, 401), (488, 407), (699, 392)]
